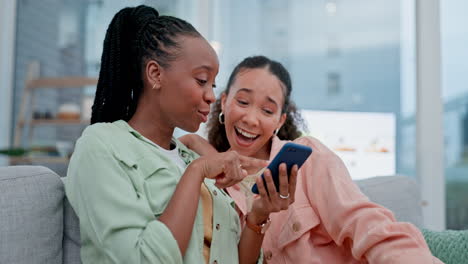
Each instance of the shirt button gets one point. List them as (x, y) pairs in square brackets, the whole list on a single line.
[(215, 192), (215, 262), (296, 226), (217, 226), (268, 255)]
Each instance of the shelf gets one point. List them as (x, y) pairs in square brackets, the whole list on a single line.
[(36, 122), (35, 160), (66, 82), (26, 122)]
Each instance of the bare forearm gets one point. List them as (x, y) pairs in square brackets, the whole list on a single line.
[(179, 215), (250, 244)]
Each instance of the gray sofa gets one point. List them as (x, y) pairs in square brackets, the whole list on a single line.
[(37, 224)]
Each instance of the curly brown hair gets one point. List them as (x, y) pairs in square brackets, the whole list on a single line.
[(290, 129)]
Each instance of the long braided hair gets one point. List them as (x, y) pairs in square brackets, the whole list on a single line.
[(290, 129), (134, 36)]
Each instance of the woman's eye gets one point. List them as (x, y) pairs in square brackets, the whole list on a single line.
[(268, 111), (242, 102), (202, 82)]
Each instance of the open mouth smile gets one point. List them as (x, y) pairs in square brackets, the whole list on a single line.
[(244, 136)]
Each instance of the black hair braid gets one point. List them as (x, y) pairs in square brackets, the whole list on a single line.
[(134, 36), (110, 70)]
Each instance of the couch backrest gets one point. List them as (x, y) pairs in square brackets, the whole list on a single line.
[(400, 194), (31, 215)]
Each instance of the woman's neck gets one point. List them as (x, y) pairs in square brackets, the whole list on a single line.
[(152, 128), (264, 152)]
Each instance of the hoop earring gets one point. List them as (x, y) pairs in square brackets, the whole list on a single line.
[(276, 132), (154, 86), (221, 118)]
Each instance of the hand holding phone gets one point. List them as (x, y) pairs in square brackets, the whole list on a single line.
[(290, 153)]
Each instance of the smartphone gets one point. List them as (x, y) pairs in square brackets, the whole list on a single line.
[(290, 153)]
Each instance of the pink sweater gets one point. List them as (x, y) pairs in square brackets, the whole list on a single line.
[(331, 221)]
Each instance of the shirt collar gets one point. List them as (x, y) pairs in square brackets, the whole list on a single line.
[(131, 130), (276, 145), (186, 155)]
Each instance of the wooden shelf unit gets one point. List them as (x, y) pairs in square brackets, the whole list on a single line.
[(33, 83), (59, 83)]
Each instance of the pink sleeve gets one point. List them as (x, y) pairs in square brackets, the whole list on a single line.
[(370, 230)]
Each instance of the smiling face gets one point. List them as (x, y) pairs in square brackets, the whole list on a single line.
[(186, 86), (252, 112)]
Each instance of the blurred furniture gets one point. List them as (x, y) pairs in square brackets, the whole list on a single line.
[(27, 122), (398, 193), (449, 246), (37, 224)]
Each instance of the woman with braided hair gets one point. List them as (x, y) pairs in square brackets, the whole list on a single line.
[(141, 196)]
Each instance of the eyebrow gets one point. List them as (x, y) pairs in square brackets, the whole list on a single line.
[(206, 67), (247, 90)]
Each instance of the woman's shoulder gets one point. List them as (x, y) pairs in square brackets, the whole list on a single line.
[(105, 131), (317, 146), (319, 150), (100, 130), (100, 134)]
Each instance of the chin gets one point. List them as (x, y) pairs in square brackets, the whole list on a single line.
[(242, 151), (192, 129)]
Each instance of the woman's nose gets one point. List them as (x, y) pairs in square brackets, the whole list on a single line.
[(210, 96), (250, 117)]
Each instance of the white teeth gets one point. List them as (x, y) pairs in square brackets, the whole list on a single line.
[(245, 134)]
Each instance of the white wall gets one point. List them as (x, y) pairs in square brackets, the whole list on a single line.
[(7, 52)]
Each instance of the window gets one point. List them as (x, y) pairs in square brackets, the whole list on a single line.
[(455, 97)]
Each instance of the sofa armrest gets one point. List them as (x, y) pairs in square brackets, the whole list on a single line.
[(450, 246)]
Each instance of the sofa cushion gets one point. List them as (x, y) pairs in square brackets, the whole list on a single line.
[(400, 194), (31, 218), (450, 246)]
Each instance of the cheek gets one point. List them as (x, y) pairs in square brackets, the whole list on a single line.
[(190, 93), (267, 130), (232, 115), (269, 124)]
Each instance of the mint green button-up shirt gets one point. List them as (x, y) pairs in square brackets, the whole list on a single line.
[(119, 183)]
